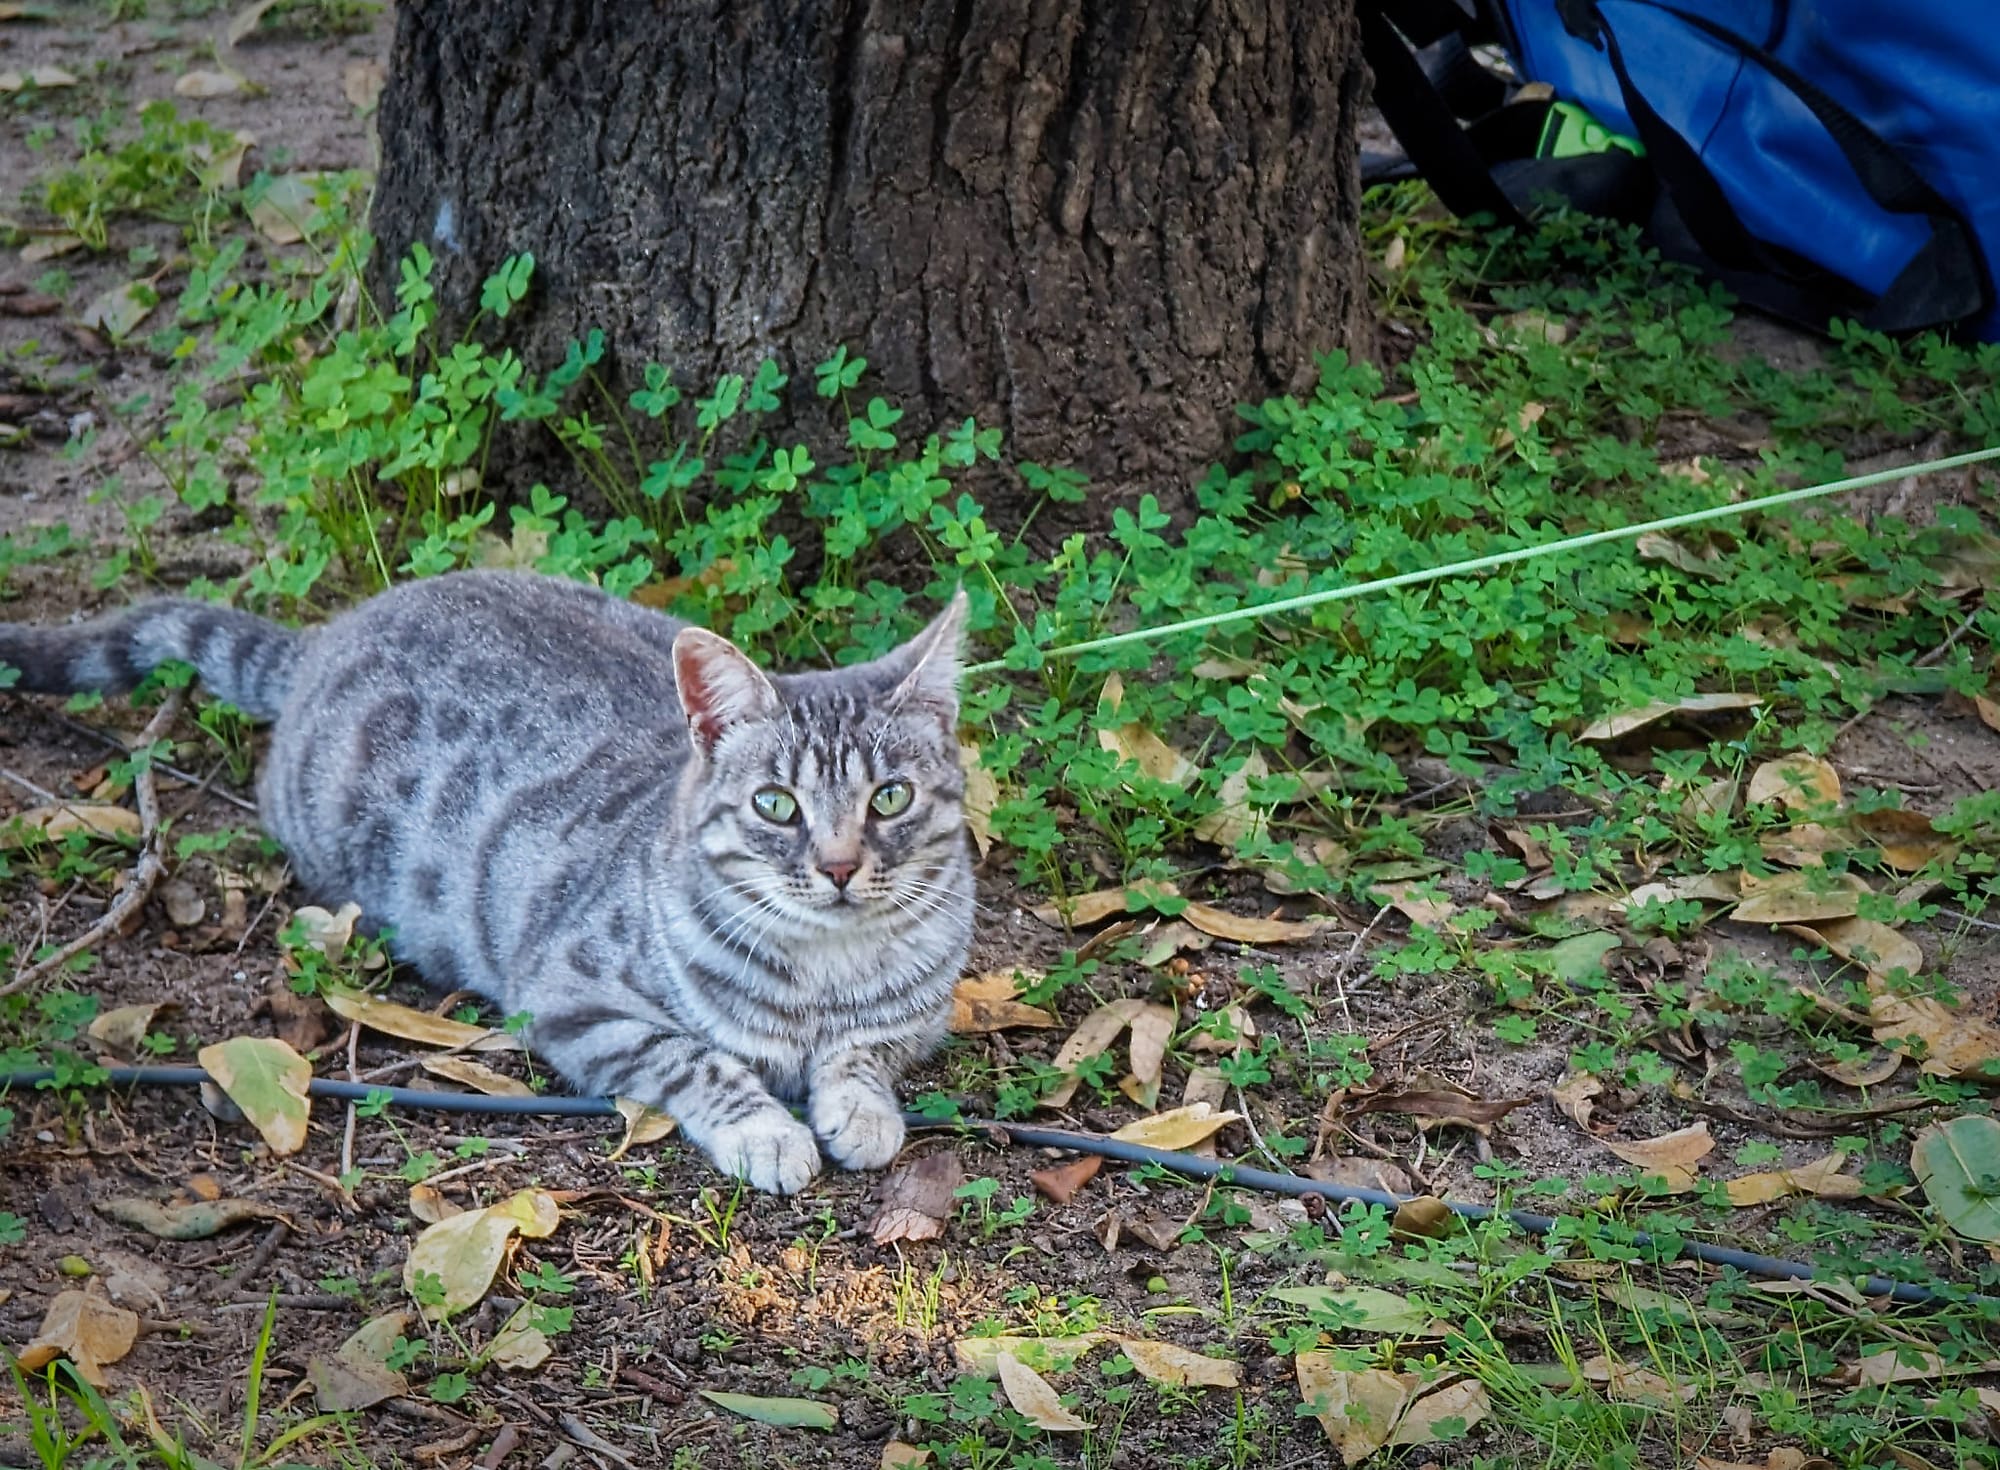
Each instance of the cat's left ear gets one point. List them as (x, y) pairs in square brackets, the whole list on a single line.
[(930, 666)]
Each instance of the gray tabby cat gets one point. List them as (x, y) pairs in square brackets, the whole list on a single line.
[(711, 888)]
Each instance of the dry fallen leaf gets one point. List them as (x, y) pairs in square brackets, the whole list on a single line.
[(1169, 1363), (1870, 1069), (1574, 1095), (982, 794), (1044, 1354), (1152, 1029), (1033, 1397), (428, 1204), (1094, 1034), (982, 1003), (899, 1456), (1613, 726), (1358, 1407), (518, 1346), (1178, 1128), (1807, 897), (268, 1081), (1822, 1177), (118, 310), (917, 1199), (358, 1375), (1064, 1180), (328, 933), (1439, 1102), (37, 76), (644, 1124), (362, 82), (286, 210), (197, 1220), (1139, 745), (123, 1028), (1875, 947), (59, 819), (1095, 907), (1803, 783), (1632, 1384), (1410, 900), (1907, 839), (1953, 1044), (476, 1075), (1236, 821), (422, 1027), (221, 83), (1242, 930), (87, 1330), (1673, 1157), (464, 1251)]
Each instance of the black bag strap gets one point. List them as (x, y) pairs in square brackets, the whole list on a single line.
[(1943, 284), (1421, 121)]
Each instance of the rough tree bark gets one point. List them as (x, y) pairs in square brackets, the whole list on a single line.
[(1096, 225)]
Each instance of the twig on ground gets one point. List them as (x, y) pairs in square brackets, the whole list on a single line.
[(40, 793), (353, 1075), (1950, 638), (259, 1259), (104, 737), (145, 875)]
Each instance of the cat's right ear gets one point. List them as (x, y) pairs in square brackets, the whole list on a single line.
[(719, 687)]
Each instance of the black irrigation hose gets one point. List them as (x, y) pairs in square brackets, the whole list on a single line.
[(1184, 1164)]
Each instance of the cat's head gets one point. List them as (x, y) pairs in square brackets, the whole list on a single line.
[(826, 797)]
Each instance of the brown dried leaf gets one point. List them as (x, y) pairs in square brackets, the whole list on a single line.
[(899, 1456), (44, 77), (1613, 726), (1410, 900), (644, 1124), (59, 819), (362, 81), (1095, 1034), (1086, 909), (1574, 1095), (1802, 783), (1822, 1177), (1166, 1362), (197, 1220), (982, 1003), (358, 1375), (1357, 1407), (1440, 1102), (87, 1330), (1064, 1180), (1243, 930), (476, 1075), (1461, 1401), (1673, 1157), (413, 1025), (1805, 845), (519, 1347), (1152, 1029), (201, 84), (982, 794), (123, 1029), (1426, 1216), (1871, 1069), (1033, 1398), (1800, 898), (1877, 948), (1139, 745), (1632, 1384), (1205, 1086), (917, 1199), (1954, 1044), (1236, 820), (428, 1204)]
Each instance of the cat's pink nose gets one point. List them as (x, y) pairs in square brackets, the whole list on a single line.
[(840, 872)]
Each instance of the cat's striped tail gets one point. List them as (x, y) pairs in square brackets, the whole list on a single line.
[(243, 660)]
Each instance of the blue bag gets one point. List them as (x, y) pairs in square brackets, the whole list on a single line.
[(1837, 158)]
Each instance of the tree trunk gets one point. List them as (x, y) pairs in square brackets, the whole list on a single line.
[(1095, 225)]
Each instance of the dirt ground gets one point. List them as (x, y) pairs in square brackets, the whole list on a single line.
[(798, 1282)]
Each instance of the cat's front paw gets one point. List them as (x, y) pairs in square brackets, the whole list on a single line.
[(771, 1151), (860, 1126)]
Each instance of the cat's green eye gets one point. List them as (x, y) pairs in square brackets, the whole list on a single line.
[(775, 804), (891, 797)]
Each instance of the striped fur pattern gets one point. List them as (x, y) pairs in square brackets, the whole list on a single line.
[(566, 803)]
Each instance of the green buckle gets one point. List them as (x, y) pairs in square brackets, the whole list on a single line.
[(1569, 131)]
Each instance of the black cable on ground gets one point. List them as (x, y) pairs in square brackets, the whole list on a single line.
[(1188, 1166)]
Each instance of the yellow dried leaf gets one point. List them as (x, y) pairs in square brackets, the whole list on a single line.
[(1461, 1402), (1224, 925), (1166, 1362), (268, 1081), (123, 1028), (1624, 723), (982, 794), (1805, 845), (1800, 898), (88, 1330), (58, 819), (644, 1124), (476, 1075), (38, 76), (1086, 909), (1357, 1407), (464, 1251), (1953, 1043), (1907, 839), (1095, 1034), (1046, 1354), (413, 1025), (1176, 1128), (1139, 745), (1801, 782), (1875, 947), (518, 1346), (208, 84), (1033, 1397), (983, 1003), (1822, 1177), (1673, 1157), (428, 1204)]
